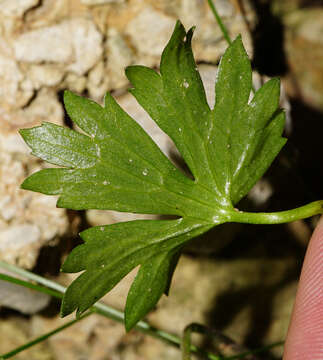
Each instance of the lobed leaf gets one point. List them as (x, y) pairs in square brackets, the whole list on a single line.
[(115, 165), (111, 252)]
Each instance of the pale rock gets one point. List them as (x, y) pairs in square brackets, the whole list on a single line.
[(119, 56), (50, 12), (304, 44), (20, 244), (28, 220), (201, 291), (45, 75), (93, 338), (14, 332), (22, 299), (190, 12), (80, 50), (10, 76), (98, 82), (100, 2), (96, 74), (86, 43), (48, 44), (16, 8), (45, 107), (75, 82), (150, 31)]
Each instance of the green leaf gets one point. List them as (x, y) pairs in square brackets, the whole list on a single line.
[(111, 252), (150, 283), (115, 165)]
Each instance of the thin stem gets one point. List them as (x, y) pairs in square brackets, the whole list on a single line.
[(223, 29), (99, 308), (219, 21), (43, 337), (30, 285), (33, 277), (103, 310), (311, 209), (222, 340), (186, 341), (255, 351)]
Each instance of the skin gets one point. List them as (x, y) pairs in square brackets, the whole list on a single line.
[(305, 335)]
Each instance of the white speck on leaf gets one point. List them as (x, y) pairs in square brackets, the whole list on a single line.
[(216, 219), (98, 151), (186, 84), (145, 172)]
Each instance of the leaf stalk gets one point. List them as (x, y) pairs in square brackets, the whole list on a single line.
[(280, 217)]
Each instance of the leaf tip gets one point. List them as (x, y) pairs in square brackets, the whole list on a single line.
[(129, 320), (68, 95), (24, 184)]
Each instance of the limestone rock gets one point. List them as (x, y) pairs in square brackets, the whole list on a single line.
[(50, 12), (150, 31), (100, 2), (75, 83), (19, 298), (14, 332), (12, 96), (203, 290), (16, 8), (79, 51), (45, 75), (119, 56), (98, 82), (27, 220), (304, 48)]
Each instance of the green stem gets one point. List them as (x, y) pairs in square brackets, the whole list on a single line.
[(222, 340), (311, 209), (30, 285), (186, 341), (220, 23), (99, 308), (255, 351), (43, 337), (223, 29), (33, 277)]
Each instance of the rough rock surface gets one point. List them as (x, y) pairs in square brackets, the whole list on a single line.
[(16, 8), (28, 220), (19, 298), (100, 2), (304, 48), (79, 51), (200, 292)]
